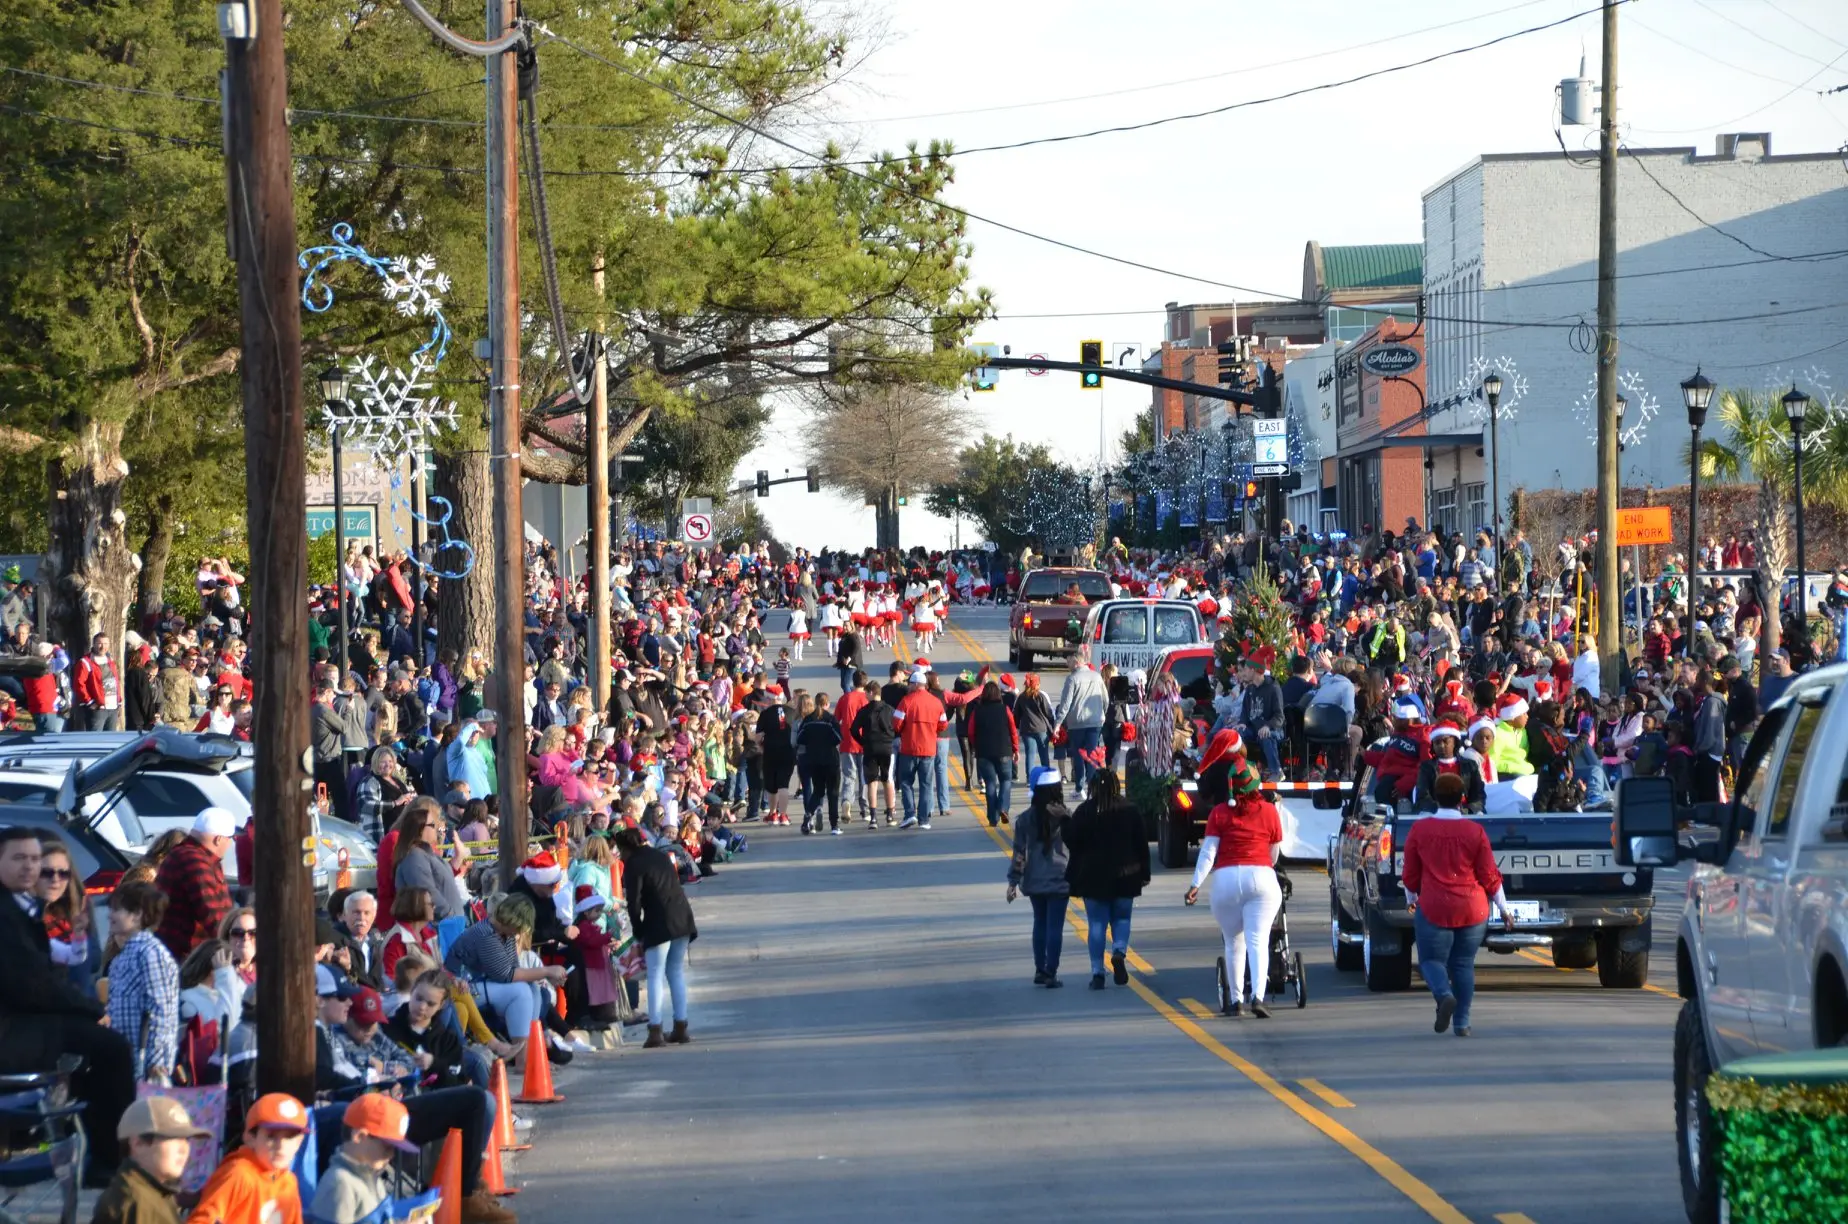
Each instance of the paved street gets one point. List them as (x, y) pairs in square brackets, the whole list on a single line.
[(869, 1046)]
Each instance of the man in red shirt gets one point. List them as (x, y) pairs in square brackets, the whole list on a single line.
[(919, 715), (99, 687), (853, 753)]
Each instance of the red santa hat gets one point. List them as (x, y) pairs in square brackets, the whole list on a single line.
[(1453, 689), (1401, 683), (587, 898), (542, 868), (1227, 743), (1007, 681), (1510, 707), (1543, 690), (1446, 726)]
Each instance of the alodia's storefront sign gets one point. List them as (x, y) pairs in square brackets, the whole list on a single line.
[(1390, 360)]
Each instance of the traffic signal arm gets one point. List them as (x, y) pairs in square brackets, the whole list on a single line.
[(1250, 399)]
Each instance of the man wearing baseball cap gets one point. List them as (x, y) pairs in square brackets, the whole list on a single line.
[(359, 1177), (156, 1136), (193, 877), (254, 1185)]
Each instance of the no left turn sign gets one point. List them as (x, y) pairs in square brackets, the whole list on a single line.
[(696, 528)]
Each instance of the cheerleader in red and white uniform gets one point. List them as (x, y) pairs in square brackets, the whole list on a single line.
[(889, 617), (924, 622), (859, 613), (798, 631), (829, 617)]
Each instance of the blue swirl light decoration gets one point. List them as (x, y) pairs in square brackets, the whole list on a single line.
[(397, 417)]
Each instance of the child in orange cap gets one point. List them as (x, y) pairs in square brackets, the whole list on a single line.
[(254, 1185), (359, 1177)]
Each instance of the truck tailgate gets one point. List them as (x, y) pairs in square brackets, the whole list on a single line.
[(1546, 852)]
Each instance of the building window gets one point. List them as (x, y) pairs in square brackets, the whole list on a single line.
[(1476, 505), (1444, 509)]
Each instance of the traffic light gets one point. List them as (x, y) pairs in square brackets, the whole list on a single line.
[(814, 480), (763, 483), (1091, 353), (1230, 372)]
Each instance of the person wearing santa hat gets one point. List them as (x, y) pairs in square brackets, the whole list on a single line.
[(1396, 761), (1243, 840), (1447, 758), (1508, 750), (1480, 737), (554, 925)]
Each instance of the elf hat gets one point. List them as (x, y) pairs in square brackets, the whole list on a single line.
[(542, 868), (1225, 744), (1245, 780)]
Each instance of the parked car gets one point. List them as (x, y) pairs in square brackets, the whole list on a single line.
[(1761, 946), (1043, 608)]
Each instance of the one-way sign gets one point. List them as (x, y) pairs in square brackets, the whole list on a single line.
[(1269, 469)]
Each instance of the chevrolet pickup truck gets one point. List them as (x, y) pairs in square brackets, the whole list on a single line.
[(1761, 944), (1036, 626), (1566, 889)]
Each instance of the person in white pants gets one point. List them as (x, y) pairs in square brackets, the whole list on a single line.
[(1240, 849)]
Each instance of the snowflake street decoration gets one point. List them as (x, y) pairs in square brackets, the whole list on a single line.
[(392, 410), (1826, 408), (1514, 388), (1640, 407)]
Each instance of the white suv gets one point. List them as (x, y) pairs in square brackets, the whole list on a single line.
[(1761, 955)]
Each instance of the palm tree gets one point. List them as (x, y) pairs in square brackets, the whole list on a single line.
[(1753, 442)]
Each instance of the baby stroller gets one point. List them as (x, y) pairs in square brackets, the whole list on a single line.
[(1286, 966)]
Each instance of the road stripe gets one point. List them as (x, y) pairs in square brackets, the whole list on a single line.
[(1328, 1095), (1200, 1010), (1538, 959), (1512, 1217)]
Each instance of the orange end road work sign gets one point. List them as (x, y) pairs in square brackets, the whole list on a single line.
[(1644, 525)]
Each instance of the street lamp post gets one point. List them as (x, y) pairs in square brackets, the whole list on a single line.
[(1796, 405), (333, 382), (1492, 388), (1696, 394)]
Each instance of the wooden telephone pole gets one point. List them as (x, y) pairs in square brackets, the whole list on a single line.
[(255, 95), (1610, 602), (597, 433), (504, 440)]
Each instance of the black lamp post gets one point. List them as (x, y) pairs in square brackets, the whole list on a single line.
[(1622, 403), (1492, 387), (333, 382), (1696, 394), (1796, 406)]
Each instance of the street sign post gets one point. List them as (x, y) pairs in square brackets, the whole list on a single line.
[(1270, 439), (696, 528)]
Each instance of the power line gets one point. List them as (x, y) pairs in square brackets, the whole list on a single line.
[(1725, 123), (1734, 21), (1184, 81), (1789, 16), (1293, 93), (1686, 208)]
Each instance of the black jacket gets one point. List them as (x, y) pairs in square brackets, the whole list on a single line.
[(658, 908), (819, 741), (1473, 794), (141, 700), (1262, 705), (875, 728), (442, 1043), (548, 927), (1032, 714), (1109, 852), (37, 993), (991, 730), (847, 653)]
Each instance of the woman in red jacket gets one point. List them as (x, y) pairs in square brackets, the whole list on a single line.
[(1450, 879), (1243, 838)]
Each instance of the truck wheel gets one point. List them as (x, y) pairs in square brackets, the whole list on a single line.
[(1347, 955), (1695, 1137), (1386, 971), (1574, 953), (1023, 659), (1171, 842), (1622, 967)]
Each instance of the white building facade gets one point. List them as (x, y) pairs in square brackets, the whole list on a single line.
[(1731, 262)]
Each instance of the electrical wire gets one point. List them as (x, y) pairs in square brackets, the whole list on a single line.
[(1686, 208), (1734, 21), (1792, 17), (1726, 123), (542, 224)]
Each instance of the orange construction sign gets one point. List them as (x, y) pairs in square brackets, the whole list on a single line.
[(1644, 525)]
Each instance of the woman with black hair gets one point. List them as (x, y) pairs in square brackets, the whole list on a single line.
[(1038, 869), (1109, 867)]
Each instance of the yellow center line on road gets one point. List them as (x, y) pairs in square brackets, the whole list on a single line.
[(1328, 1095), (1538, 959), (1200, 1010), (1512, 1217)]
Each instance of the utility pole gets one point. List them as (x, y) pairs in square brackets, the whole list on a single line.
[(1610, 606), (343, 652), (598, 461), (255, 94), (418, 586), (504, 443)]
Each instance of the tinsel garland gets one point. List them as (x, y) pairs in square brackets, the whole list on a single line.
[(1783, 1148)]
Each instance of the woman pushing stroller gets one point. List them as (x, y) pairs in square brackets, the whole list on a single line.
[(1244, 837)]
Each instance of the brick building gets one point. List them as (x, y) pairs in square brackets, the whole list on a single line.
[(1510, 270), (1379, 467)]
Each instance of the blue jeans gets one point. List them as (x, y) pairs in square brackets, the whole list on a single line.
[(914, 789), (997, 775), (846, 678), (1035, 749), (1447, 958), (517, 1003), (853, 780), (944, 744), (48, 722), (1113, 914), (667, 977), (1048, 931), (1267, 744), (1078, 741)]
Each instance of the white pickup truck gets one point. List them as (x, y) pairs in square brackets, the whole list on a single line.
[(1761, 953)]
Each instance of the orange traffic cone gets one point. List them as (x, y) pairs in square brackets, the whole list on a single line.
[(449, 1180), (504, 1137), (536, 1084), (493, 1180)]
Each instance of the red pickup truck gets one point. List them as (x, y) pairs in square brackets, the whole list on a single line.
[(1044, 604)]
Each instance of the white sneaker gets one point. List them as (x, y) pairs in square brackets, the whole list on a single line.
[(522, 1122), (582, 1047), (909, 822)]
